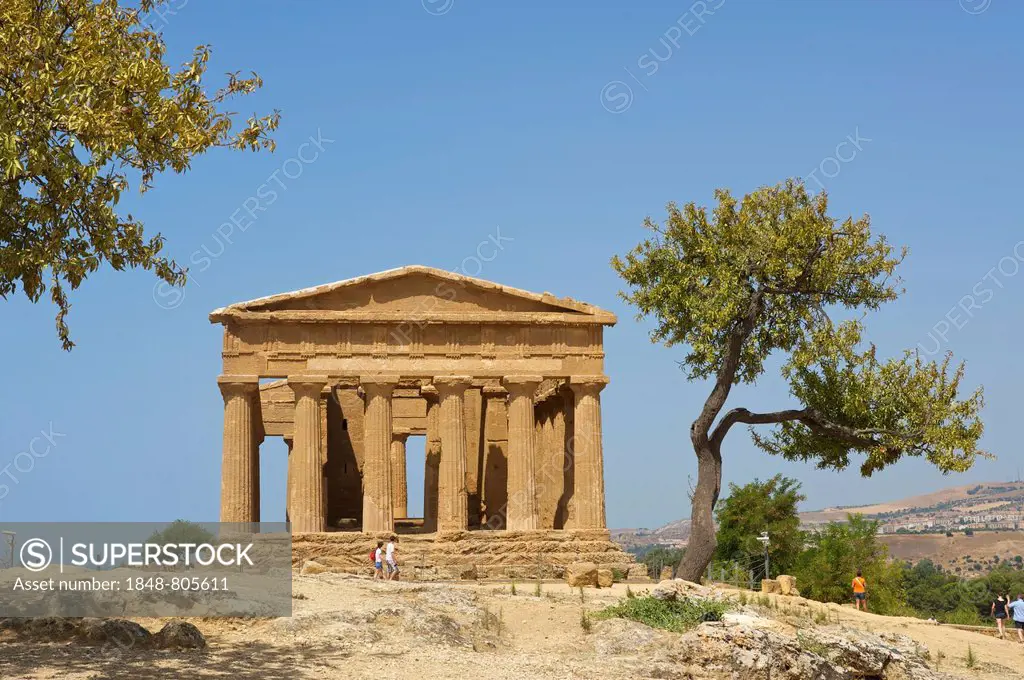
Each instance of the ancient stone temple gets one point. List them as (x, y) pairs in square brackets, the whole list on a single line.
[(503, 384)]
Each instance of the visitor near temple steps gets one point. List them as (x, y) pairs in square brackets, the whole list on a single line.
[(391, 559), (378, 566)]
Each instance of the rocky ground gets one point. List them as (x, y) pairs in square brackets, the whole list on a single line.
[(346, 626)]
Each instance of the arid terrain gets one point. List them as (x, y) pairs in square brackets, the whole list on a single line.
[(967, 555), (351, 627)]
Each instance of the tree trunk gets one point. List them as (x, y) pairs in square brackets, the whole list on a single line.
[(701, 547)]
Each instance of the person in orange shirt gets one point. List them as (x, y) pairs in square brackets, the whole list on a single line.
[(860, 592)]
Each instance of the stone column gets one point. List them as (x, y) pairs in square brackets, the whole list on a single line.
[(494, 481), (522, 492), (431, 473), (307, 502), (589, 458), (239, 475), (399, 483), (291, 476), (453, 499), (378, 506)]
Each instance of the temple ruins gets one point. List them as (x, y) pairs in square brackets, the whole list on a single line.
[(505, 386)]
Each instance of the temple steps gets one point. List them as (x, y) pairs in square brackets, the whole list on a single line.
[(470, 554)]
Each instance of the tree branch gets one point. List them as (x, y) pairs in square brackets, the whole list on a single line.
[(742, 415), (727, 374)]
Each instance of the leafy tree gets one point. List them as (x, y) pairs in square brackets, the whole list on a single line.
[(181, 531), (766, 274), (660, 556), (86, 101), (757, 507), (826, 569)]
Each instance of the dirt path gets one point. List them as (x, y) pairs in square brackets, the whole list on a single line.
[(346, 627)]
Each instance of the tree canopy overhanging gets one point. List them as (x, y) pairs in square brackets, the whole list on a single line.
[(766, 273), (86, 101)]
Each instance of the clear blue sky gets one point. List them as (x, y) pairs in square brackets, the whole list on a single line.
[(484, 116)]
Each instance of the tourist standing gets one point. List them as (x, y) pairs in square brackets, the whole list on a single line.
[(860, 591), (1017, 606), (378, 564), (999, 606), (391, 559)]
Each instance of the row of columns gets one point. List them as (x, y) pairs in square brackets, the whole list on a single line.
[(385, 495)]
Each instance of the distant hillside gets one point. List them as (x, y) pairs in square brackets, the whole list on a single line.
[(989, 506), (979, 507)]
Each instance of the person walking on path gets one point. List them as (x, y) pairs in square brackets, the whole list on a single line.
[(378, 563), (860, 591), (999, 606), (1017, 606), (391, 559)]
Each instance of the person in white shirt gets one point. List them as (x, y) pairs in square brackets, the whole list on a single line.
[(378, 561), (390, 560)]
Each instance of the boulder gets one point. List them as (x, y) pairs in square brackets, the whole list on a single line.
[(666, 574), (581, 574), (311, 567), (179, 635), (742, 647), (770, 585), (787, 585), (123, 633), (677, 588), (605, 578), (637, 572)]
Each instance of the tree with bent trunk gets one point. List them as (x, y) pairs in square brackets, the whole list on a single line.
[(763, 274)]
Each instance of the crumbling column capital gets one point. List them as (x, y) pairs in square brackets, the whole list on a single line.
[(310, 385), (493, 390), (452, 384), (233, 385), (401, 434), (522, 385), (378, 385), (587, 384)]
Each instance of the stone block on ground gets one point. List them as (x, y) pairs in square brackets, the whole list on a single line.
[(605, 578), (787, 585), (770, 585), (581, 574), (677, 588), (666, 574), (638, 572), (311, 567)]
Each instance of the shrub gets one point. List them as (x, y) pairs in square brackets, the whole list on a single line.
[(585, 621), (677, 615)]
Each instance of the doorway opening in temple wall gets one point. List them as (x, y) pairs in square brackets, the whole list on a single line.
[(415, 465), (273, 476)]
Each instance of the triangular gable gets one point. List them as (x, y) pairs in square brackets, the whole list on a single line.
[(416, 290)]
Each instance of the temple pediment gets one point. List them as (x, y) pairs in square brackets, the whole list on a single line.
[(409, 293)]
